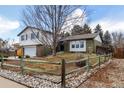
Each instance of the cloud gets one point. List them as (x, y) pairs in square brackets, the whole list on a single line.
[(109, 24), (6, 25), (75, 18)]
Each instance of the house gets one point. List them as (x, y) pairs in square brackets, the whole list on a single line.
[(30, 40), (82, 42)]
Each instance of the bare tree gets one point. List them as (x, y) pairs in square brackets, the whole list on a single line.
[(52, 18), (118, 40)]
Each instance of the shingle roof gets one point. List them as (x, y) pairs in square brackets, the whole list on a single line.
[(31, 28), (79, 37)]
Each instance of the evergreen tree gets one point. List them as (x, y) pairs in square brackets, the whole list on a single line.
[(107, 39), (99, 29), (66, 34), (77, 29), (86, 29)]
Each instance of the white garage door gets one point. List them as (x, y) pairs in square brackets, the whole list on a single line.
[(30, 50)]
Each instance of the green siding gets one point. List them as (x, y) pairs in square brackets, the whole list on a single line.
[(90, 43), (97, 43), (66, 46)]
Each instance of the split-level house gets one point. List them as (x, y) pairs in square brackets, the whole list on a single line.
[(30, 40)]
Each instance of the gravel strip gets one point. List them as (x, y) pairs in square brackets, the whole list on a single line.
[(28, 80)]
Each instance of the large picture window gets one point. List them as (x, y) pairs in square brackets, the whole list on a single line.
[(79, 45)]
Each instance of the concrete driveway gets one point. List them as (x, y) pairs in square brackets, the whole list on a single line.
[(5, 83)]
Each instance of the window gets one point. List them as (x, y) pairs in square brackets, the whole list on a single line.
[(37, 34), (22, 37), (81, 44), (32, 36), (26, 36), (77, 45), (73, 46)]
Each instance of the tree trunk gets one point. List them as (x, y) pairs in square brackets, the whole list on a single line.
[(54, 52)]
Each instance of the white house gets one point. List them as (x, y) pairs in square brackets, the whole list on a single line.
[(31, 39)]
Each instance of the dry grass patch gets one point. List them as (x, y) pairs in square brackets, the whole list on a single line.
[(66, 56)]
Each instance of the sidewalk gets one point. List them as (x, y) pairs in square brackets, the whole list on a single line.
[(5, 83)]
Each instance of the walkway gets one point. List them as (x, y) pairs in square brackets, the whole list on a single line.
[(5, 83)]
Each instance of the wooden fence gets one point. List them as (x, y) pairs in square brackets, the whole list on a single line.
[(87, 67), (63, 64), (118, 53)]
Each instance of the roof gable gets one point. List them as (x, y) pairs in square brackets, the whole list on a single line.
[(28, 27)]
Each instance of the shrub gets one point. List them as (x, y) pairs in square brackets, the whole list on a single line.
[(27, 56), (20, 57)]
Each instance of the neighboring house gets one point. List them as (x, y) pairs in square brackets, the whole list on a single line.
[(31, 41), (82, 43)]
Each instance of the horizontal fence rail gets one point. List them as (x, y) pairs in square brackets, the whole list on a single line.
[(32, 61)]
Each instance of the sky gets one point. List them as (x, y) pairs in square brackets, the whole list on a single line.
[(109, 17)]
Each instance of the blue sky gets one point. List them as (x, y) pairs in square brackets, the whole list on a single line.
[(110, 17), (10, 21)]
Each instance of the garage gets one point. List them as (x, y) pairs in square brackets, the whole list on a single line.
[(30, 50)]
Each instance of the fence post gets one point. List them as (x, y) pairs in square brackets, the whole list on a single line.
[(104, 58), (2, 61), (63, 74), (87, 63), (99, 61), (111, 55), (22, 65)]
